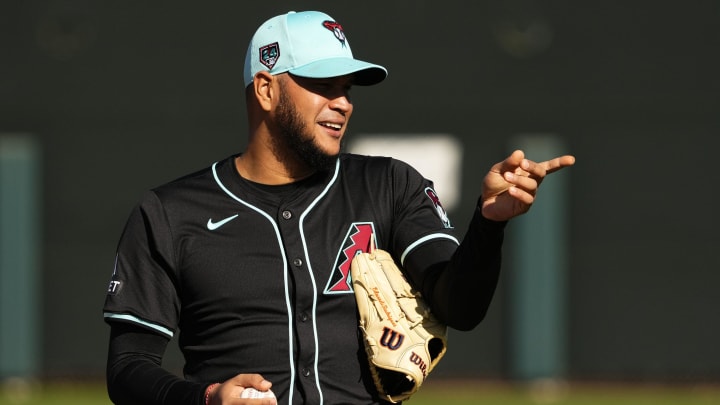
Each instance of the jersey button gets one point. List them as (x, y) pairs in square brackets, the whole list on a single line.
[(306, 372), (287, 214), (298, 262), (304, 317)]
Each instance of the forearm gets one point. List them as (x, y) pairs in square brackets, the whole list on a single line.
[(460, 290), (135, 375)]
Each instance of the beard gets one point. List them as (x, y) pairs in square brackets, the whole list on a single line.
[(294, 139)]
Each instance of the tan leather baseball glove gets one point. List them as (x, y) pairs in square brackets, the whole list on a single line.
[(403, 340)]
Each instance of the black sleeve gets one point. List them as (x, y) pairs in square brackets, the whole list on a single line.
[(459, 291), (135, 375)]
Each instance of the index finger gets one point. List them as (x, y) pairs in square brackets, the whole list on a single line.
[(558, 163)]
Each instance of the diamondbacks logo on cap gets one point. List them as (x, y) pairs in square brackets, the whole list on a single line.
[(269, 55), (336, 29)]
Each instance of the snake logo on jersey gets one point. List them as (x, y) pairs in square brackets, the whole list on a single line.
[(357, 240), (432, 195)]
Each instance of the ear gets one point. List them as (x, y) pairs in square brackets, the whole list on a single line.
[(264, 89)]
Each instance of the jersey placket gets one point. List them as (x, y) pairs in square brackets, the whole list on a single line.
[(303, 289)]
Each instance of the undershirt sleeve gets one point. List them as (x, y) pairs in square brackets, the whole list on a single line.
[(135, 375), (459, 291)]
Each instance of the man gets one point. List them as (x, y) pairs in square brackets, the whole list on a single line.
[(248, 260)]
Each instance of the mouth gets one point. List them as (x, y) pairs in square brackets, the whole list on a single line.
[(332, 125)]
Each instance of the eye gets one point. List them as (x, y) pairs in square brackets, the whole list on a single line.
[(333, 88), (323, 85), (330, 87)]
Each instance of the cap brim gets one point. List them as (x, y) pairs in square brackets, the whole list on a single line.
[(364, 73)]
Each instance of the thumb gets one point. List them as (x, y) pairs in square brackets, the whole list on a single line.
[(251, 380), (512, 162)]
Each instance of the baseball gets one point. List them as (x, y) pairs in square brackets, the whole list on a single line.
[(253, 393)]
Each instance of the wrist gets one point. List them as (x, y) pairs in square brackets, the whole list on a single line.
[(209, 392)]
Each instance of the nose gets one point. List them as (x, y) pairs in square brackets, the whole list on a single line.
[(341, 103)]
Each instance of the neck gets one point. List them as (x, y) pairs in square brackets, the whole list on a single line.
[(266, 169)]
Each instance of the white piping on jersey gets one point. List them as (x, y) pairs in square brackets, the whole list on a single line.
[(285, 276), (423, 240), (312, 277), (137, 320)]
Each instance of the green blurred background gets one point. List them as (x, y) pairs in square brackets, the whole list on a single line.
[(120, 96)]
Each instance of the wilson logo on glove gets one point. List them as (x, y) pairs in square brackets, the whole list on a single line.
[(391, 339), (420, 363), (412, 341)]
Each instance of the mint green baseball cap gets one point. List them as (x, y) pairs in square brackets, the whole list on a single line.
[(307, 44)]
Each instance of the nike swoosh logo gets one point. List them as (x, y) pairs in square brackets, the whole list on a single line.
[(215, 225)]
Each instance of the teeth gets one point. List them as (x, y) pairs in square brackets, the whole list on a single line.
[(331, 125)]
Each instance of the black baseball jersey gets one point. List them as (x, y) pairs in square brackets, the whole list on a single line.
[(255, 278)]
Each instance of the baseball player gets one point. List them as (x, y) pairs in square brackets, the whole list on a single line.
[(247, 261)]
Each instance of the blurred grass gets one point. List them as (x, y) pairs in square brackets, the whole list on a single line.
[(19, 392), (554, 393), (432, 393)]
